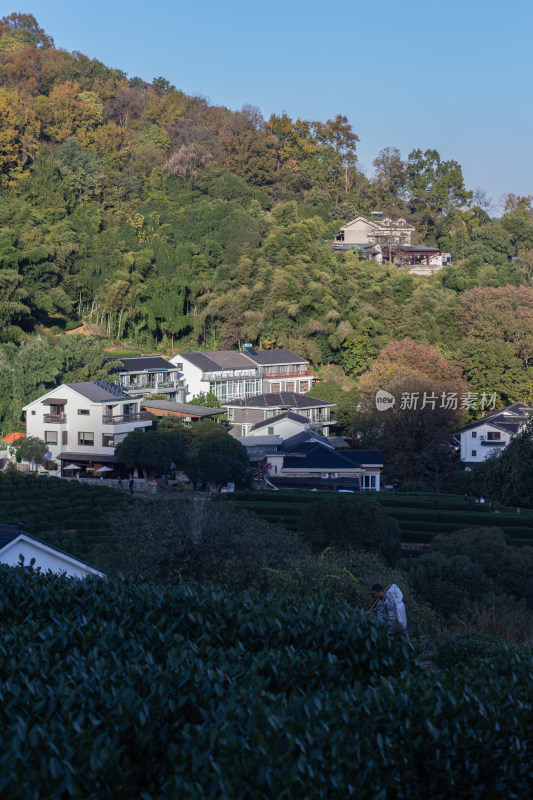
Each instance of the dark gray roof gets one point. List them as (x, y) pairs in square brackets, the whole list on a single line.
[(99, 391), (258, 441), (289, 400), (182, 408), (215, 361), (272, 357), (141, 363), (286, 415), (304, 437), (315, 455), (510, 418)]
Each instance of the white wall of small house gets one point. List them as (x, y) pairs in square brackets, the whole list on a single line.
[(472, 449), (285, 428), (44, 558)]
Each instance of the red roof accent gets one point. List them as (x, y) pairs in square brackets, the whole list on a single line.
[(12, 437)]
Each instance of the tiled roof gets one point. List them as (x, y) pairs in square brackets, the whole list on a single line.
[(314, 455), (258, 441), (216, 361), (273, 357), (182, 408), (99, 391), (287, 400), (511, 418), (140, 363)]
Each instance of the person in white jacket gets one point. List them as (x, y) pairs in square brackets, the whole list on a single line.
[(389, 607)]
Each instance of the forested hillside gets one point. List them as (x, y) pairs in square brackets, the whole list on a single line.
[(171, 223)]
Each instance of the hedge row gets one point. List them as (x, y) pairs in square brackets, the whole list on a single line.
[(114, 690)]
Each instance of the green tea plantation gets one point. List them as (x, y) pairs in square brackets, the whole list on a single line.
[(119, 690)]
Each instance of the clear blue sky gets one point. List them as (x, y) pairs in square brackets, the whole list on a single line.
[(451, 75)]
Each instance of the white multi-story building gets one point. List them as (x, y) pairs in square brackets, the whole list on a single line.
[(82, 423), (231, 375), (492, 433)]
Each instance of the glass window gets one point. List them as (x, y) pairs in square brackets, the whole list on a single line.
[(270, 430), (474, 435), (494, 435), (50, 437), (83, 411), (86, 438), (474, 453), (108, 440), (231, 414)]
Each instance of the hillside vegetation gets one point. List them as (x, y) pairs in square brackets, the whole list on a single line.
[(172, 223)]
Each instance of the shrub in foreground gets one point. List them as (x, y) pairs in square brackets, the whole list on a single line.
[(118, 690)]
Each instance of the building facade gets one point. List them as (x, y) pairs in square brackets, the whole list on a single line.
[(375, 229), (243, 415), (232, 375), (82, 423), (492, 433), (146, 375)]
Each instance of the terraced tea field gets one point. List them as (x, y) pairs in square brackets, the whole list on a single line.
[(66, 514), (421, 516)]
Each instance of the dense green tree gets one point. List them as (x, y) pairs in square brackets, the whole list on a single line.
[(435, 184), (359, 524), (151, 451), (508, 476), (30, 449)]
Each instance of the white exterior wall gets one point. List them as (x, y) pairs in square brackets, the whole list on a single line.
[(470, 443), (80, 423), (45, 557), (193, 377), (284, 428)]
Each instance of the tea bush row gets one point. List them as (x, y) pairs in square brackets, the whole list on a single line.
[(118, 690)]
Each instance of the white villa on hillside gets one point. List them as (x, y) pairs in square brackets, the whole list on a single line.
[(375, 229), (232, 375), (492, 433), (82, 423)]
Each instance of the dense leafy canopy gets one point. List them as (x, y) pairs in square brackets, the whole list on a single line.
[(169, 223)]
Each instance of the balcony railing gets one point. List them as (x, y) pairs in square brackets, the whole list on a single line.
[(108, 419), (230, 374), (307, 373), (57, 418), (152, 385)]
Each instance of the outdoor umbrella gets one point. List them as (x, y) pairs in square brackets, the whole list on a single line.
[(72, 466), (104, 469)]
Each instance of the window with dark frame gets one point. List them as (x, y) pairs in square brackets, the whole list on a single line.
[(86, 438)]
